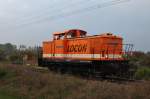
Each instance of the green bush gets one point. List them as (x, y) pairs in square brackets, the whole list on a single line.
[(2, 73), (6, 73), (143, 73)]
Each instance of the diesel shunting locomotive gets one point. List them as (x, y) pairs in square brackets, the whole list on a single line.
[(74, 51)]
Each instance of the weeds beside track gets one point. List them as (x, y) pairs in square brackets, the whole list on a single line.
[(27, 83)]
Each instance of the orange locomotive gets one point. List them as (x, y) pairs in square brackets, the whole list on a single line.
[(74, 51)]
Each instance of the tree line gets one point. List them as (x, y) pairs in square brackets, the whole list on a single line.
[(140, 59), (18, 55)]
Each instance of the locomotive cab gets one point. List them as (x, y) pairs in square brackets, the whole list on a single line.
[(71, 34)]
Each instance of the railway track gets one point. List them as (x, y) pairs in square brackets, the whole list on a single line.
[(113, 79), (40, 69), (98, 78), (120, 79)]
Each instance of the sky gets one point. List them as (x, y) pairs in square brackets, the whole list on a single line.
[(29, 22)]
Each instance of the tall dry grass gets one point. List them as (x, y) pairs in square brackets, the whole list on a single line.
[(27, 84)]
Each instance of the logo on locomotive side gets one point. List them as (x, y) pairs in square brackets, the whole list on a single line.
[(77, 48)]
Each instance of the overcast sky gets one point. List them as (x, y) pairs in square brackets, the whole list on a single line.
[(30, 22)]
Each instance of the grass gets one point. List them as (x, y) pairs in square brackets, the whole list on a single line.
[(5, 95), (23, 83)]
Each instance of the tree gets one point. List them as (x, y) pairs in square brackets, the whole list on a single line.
[(6, 50)]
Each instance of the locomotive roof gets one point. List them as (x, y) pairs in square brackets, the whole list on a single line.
[(59, 33), (107, 34)]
